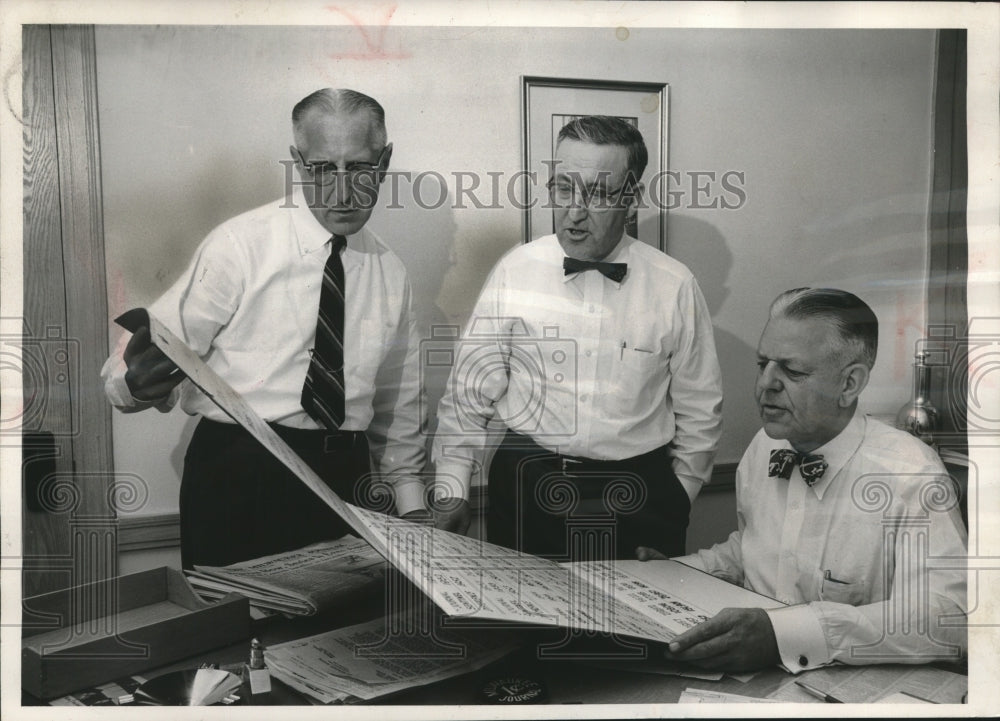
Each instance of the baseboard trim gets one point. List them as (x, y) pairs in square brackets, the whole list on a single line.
[(163, 530), (723, 479), (140, 533)]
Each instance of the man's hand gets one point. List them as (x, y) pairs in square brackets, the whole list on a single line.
[(649, 554), (452, 514), (150, 375), (735, 639)]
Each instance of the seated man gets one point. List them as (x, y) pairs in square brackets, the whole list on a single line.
[(841, 519)]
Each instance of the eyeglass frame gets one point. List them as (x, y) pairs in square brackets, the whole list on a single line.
[(311, 169), (582, 197)]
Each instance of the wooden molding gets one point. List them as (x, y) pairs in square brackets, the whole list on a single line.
[(138, 533), (163, 530), (723, 479)]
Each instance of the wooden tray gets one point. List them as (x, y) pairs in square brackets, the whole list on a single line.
[(158, 619)]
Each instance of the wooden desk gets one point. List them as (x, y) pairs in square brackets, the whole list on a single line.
[(565, 681)]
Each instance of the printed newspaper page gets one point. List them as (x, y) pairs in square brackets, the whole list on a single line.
[(332, 667), (303, 581)]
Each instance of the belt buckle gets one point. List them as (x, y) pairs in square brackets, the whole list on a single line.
[(566, 462)]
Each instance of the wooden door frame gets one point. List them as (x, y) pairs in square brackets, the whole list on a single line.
[(947, 307), (68, 510)]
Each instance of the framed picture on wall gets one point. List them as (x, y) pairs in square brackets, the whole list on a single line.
[(547, 104)]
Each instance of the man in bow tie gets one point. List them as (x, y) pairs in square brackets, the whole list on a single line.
[(306, 313), (833, 512), (596, 352)]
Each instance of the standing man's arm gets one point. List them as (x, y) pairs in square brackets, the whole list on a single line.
[(723, 560), (395, 433), (138, 375), (468, 406), (695, 392)]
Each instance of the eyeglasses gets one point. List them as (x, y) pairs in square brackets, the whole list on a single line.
[(358, 175), (595, 199)]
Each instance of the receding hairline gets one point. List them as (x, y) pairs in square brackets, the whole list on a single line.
[(850, 321), (376, 131), (333, 102)]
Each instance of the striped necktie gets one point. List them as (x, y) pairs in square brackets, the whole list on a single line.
[(323, 392)]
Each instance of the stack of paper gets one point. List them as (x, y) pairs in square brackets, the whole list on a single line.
[(303, 582), (380, 657), (697, 695), (877, 684)]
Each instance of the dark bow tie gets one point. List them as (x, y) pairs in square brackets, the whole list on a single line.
[(783, 460), (614, 271)]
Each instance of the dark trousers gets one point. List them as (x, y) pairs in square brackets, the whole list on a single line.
[(239, 502), (567, 508)]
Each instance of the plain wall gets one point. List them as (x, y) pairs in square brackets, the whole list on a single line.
[(832, 129)]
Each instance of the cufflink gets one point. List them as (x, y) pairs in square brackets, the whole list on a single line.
[(803, 661)]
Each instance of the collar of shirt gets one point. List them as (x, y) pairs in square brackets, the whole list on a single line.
[(838, 452), (309, 233), (619, 254)]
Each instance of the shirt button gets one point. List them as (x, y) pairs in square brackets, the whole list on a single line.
[(803, 661), (589, 353), (583, 398), (591, 309)]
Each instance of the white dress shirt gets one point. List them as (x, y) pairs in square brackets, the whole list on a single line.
[(248, 303), (853, 553), (584, 365)]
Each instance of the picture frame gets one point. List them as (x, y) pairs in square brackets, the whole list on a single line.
[(548, 103)]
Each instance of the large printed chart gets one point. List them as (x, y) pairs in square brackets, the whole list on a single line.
[(472, 579)]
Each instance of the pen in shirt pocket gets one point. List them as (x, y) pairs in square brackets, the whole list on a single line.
[(624, 345)]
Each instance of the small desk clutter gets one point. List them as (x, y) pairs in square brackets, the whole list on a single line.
[(364, 662), (96, 632), (478, 623), (303, 582)]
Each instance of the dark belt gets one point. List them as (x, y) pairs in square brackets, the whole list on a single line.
[(576, 464), (311, 438), (571, 465), (316, 437)]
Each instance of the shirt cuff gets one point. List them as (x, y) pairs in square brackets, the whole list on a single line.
[(118, 393), (801, 642), (409, 496), (451, 481)]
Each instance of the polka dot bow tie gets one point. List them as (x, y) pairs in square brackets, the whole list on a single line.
[(783, 460)]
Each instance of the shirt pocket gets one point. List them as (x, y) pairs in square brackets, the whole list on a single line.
[(832, 588), (638, 375)]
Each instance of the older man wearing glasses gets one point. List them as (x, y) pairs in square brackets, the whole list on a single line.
[(597, 353), (306, 313)]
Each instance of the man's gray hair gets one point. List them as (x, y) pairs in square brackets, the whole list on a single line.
[(607, 130), (854, 321), (334, 100)]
